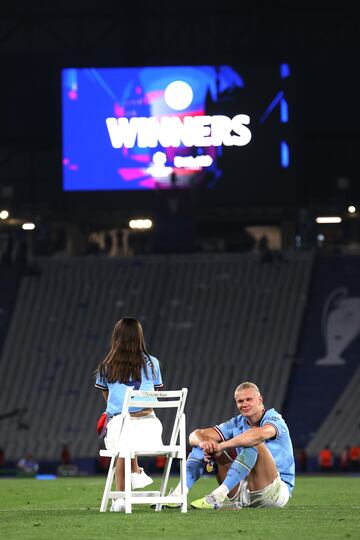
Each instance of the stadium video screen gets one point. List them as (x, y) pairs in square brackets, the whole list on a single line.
[(149, 128)]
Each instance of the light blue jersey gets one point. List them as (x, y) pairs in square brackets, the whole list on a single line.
[(117, 390), (280, 447)]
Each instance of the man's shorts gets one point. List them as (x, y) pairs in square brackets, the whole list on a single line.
[(141, 432), (275, 495)]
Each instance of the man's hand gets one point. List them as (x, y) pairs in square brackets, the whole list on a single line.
[(207, 439), (210, 447)]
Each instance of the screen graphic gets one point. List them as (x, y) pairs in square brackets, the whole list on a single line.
[(146, 128)]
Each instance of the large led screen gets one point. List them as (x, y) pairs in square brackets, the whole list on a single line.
[(148, 128)]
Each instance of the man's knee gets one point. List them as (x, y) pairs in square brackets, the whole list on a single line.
[(264, 471), (264, 456)]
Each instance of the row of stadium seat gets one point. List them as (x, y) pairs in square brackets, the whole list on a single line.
[(212, 320), (341, 426)]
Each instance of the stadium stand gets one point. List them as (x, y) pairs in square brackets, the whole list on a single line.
[(341, 426), (327, 358), (9, 282), (212, 320)]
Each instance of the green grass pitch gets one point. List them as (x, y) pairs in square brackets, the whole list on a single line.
[(321, 508)]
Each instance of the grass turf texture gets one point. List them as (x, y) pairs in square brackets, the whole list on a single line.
[(321, 508)]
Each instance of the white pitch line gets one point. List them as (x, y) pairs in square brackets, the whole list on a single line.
[(57, 509), (32, 509)]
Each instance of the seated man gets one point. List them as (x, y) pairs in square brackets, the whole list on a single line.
[(27, 466), (261, 471)]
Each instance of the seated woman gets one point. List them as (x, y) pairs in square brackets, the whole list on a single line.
[(129, 364)]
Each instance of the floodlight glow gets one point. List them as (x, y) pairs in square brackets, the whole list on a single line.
[(329, 219), (351, 209), (147, 223), (4, 214), (28, 226), (140, 224), (178, 95)]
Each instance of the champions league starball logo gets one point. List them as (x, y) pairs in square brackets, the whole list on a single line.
[(340, 326)]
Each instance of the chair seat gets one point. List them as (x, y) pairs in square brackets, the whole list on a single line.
[(161, 450)]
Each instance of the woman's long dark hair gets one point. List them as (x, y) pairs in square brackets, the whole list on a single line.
[(128, 355)]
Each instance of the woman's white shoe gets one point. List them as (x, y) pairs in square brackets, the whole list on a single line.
[(140, 480), (118, 505)]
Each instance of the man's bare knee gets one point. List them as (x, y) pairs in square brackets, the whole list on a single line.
[(264, 472)]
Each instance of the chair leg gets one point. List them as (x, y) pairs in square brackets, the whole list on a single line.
[(164, 480), (108, 484), (183, 464), (127, 473), (183, 483)]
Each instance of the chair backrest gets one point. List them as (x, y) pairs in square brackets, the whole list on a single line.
[(156, 399)]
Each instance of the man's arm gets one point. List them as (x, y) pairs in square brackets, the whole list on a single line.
[(206, 439), (105, 393), (251, 437)]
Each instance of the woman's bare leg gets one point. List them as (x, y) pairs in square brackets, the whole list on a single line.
[(120, 470)]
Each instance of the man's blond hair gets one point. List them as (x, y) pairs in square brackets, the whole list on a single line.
[(246, 385)]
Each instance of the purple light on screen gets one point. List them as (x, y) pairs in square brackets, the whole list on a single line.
[(73, 95)]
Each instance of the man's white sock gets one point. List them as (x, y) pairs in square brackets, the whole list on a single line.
[(220, 493)]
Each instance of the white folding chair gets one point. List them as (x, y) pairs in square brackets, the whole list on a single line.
[(176, 449)]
